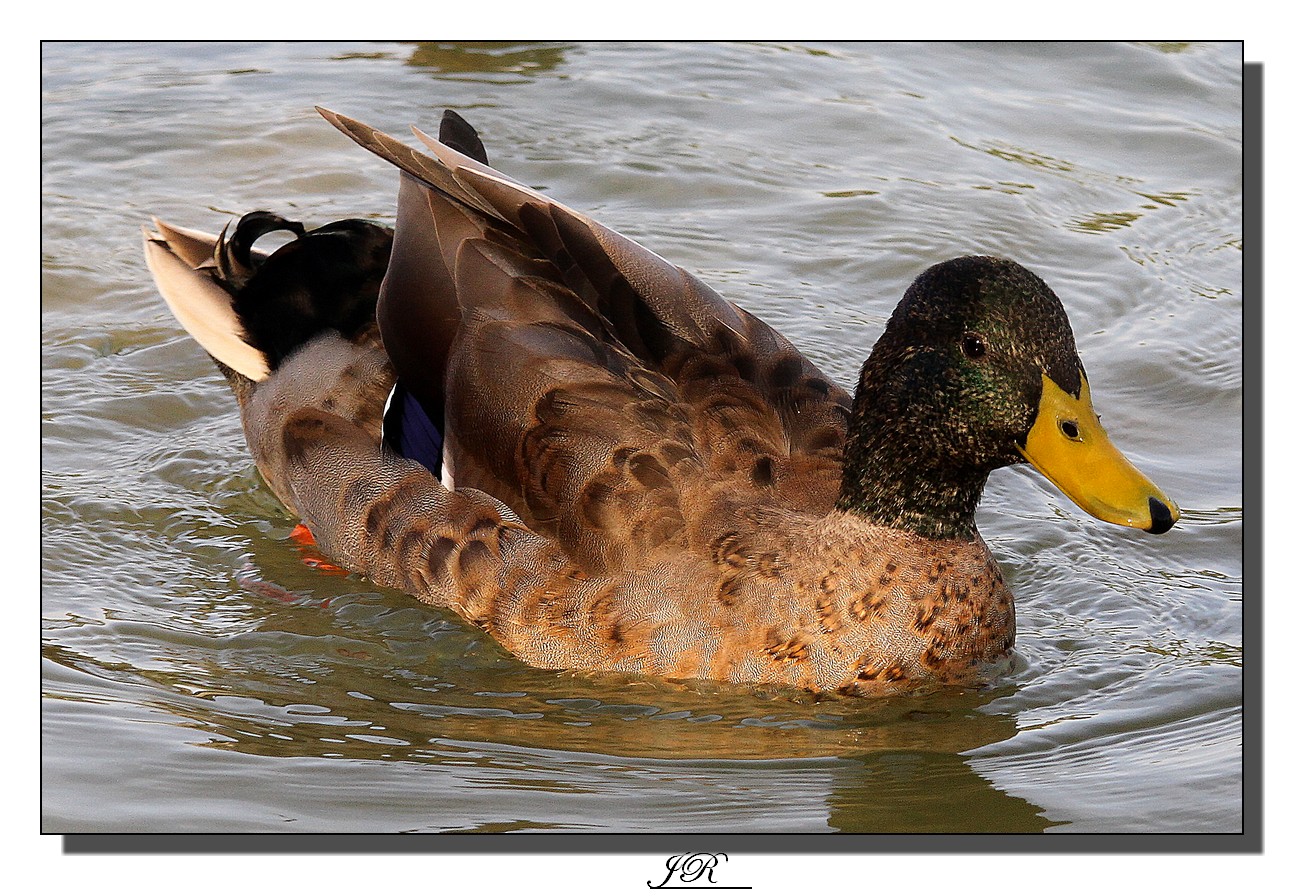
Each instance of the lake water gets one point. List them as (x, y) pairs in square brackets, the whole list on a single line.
[(197, 675)]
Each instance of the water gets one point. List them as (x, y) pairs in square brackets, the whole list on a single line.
[(198, 676)]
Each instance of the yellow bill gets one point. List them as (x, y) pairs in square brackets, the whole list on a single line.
[(1068, 445)]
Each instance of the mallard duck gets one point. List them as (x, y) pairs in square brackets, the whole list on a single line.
[(504, 408)]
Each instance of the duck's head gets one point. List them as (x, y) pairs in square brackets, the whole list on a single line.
[(977, 369)]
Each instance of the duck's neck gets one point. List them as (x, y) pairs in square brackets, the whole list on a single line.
[(912, 499), (896, 474)]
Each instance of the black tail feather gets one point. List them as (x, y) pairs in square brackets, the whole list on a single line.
[(324, 279), (456, 133)]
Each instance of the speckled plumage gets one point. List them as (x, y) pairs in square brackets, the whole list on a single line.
[(646, 478)]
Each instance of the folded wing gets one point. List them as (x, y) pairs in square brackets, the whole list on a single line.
[(609, 397)]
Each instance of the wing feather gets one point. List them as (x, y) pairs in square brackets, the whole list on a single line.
[(610, 398)]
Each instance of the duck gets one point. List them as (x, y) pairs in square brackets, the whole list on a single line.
[(505, 409)]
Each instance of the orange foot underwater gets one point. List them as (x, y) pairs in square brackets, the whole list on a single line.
[(308, 551)]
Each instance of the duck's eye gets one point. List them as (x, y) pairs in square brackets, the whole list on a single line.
[(973, 347), (1070, 429)]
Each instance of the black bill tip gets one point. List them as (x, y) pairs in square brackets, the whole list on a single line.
[(1162, 520)]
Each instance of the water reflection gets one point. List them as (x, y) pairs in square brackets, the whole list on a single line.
[(1104, 222), (925, 792), (1010, 153), (488, 57)]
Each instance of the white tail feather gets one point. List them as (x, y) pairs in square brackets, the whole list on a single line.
[(174, 256)]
